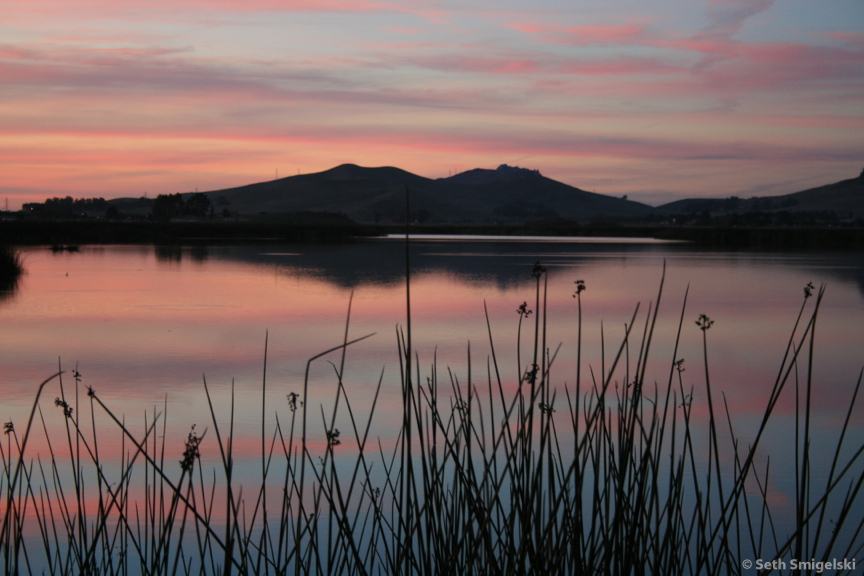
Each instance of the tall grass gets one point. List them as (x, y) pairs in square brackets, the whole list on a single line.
[(602, 474)]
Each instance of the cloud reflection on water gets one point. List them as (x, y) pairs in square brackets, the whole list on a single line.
[(142, 323)]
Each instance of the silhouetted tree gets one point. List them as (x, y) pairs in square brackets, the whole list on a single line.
[(67, 207), (167, 206), (197, 205)]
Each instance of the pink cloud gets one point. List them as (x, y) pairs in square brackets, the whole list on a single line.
[(854, 39), (540, 63), (170, 74), (100, 148), (619, 66), (724, 66), (748, 67), (583, 35), (397, 99), (39, 9), (476, 64)]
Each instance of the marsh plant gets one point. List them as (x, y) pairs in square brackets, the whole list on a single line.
[(493, 469)]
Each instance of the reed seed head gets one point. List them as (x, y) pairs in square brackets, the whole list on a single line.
[(67, 409), (530, 375), (580, 287), (538, 270), (704, 322), (333, 437), (292, 401), (191, 451), (545, 408)]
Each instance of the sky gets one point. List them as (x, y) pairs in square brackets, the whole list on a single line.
[(657, 100)]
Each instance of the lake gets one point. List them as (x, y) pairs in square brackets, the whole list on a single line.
[(141, 322), (143, 325)]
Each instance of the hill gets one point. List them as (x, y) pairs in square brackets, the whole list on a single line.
[(843, 200), (506, 195)]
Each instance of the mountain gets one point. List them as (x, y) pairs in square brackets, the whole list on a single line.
[(843, 199), (348, 189), (507, 195)]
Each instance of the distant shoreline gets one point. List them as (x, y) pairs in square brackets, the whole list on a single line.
[(73, 232)]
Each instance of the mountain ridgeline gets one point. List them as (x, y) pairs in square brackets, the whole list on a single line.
[(844, 200), (506, 195)]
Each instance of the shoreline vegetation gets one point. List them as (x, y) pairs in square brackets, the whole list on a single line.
[(11, 269), (334, 228), (608, 472), (350, 200)]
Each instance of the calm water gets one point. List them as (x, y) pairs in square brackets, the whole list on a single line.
[(143, 323)]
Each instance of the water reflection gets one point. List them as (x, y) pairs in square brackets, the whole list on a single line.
[(504, 263), (382, 262), (141, 322), (11, 270), (9, 287), (175, 253)]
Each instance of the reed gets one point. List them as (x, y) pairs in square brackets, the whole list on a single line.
[(604, 474)]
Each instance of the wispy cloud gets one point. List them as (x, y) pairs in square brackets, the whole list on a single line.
[(727, 17), (124, 95), (585, 34), (119, 8), (540, 63)]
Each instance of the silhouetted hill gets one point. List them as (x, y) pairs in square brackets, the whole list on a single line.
[(516, 194), (502, 174), (507, 197), (377, 195), (844, 200), (347, 189)]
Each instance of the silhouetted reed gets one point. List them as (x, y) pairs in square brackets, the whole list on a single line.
[(602, 475)]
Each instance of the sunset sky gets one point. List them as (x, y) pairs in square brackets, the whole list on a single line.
[(657, 100)]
